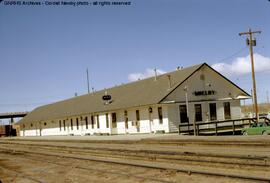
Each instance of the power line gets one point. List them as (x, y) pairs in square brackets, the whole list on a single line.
[(234, 54), (28, 104), (87, 75), (267, 97)]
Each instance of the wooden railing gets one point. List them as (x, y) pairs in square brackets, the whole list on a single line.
[(215, 126)]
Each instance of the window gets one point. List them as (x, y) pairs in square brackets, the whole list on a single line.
[(92, 122), (227, 110), (114, 120), (213, 111), (97, 118), (107, 120), (71, 124), (86, 122), (31, 124), (45, 124), (160, 116), (77, 123), (64, 125), (60, 125), (198, 112), (183, 114)]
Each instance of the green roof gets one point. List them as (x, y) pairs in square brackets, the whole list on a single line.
[(139, 93)]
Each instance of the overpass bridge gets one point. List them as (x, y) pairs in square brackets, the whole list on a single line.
[(12, 115)]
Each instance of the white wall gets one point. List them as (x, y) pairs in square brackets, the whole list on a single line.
[(174, 113), (52, 127), (170, 112)]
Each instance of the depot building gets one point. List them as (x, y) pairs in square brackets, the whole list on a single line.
[(160, 103)]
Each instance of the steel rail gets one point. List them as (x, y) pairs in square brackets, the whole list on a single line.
[(143, 151), (98, 170), (151, 141)]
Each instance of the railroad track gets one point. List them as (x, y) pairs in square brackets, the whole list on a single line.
[(38, 158), (171, 142), (237, 167), (15, 173), (155, 155)]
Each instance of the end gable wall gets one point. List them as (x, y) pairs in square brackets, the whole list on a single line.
[(205, 79)]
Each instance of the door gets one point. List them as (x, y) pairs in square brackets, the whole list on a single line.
[(227, 110), (138, 120), (183, 114), (114, 123), (40, 129), (150, 112), (126, 121)]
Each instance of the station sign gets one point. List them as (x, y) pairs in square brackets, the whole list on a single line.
[(204, 92), (106, 97)]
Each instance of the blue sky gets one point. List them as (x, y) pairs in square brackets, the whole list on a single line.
[(45, 50)]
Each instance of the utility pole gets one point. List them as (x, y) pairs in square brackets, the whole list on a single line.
[(88, 89), (251, 43), (194, 125), (253, 106), (267, 97), (244, 106)]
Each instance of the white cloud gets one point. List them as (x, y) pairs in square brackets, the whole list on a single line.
[(242, 65), (146, 74)]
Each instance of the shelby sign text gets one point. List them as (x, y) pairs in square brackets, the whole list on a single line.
[(204, 92)]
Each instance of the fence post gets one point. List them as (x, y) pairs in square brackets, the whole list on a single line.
[(233, 128), (216, 128), (179, 131), (188, 129)]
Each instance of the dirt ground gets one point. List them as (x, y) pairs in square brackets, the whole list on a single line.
[(22, 167)]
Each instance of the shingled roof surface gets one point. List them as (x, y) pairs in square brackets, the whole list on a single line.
[(139, 93)]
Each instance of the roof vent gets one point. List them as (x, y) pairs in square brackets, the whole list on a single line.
[(155, 70), (202, 77), (169, 81)]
